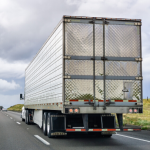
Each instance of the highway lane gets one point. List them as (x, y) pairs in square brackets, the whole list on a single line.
[(16, 137), (21, 136)]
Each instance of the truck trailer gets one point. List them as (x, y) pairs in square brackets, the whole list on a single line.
[(87, 74)]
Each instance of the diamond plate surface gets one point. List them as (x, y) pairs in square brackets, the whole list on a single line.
[(78, 67), (114, 89), (98, 40), (122, 41), (79, 39), (136, 90), (78, 89), (122, 68), (99, 68), (99, 90)]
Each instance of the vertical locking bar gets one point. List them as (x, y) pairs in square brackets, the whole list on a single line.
[(104, 64), (63, 74), (141, 64), (94, 108)]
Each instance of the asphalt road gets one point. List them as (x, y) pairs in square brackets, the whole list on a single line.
[(16, 135)]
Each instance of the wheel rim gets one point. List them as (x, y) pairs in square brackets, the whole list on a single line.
[(48, 125), (44, 124)]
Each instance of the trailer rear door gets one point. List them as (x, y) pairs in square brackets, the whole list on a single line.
[(102, 62)]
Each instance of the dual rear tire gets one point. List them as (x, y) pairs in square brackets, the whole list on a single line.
[(47, 124)]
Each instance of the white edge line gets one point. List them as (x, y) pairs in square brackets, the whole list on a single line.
[(18, 122), (42, 140), (133, 138)]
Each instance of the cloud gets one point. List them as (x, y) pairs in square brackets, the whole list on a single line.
[(13, 69), (9, 100), (25, 25), (5, 85)]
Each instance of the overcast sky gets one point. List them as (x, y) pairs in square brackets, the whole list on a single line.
[(26, 24)]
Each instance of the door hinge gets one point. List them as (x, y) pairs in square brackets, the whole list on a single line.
[(138, 23), (138, 59), (139, 78), (103, 58), (67, 57), (67, 77), (106, 22), (68, 20)]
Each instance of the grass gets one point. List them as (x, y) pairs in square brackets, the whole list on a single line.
[(142, 120), (17, 107)]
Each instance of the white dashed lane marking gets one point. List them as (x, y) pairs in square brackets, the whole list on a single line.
[(18, 122), (42, 140)]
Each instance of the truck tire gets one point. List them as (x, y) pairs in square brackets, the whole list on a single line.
[(27, 117), (45, 123), (49, 125)]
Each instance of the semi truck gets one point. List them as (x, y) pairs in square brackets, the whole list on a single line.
[(87, 74)]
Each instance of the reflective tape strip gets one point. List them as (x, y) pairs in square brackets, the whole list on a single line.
[(97, 129), (136, 129), (125, 101), (117, 129), (132, 100), (118, 100), (73, 100), (88, 100), (76, 100), (104, 130), (111, 129), (127, 129), (75, 130), (130, 129), (70, 129), (100, 100)]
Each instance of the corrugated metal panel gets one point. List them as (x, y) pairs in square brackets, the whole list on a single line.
[(43, 83)]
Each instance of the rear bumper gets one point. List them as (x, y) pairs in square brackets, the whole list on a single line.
[(100, 110), (103, 130)]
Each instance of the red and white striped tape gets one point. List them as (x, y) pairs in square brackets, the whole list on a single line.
[(76, 100), (75, 130), (98, 130)]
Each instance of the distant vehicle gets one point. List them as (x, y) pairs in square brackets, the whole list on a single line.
[(89, 69), (4, 109), (1, 107)]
